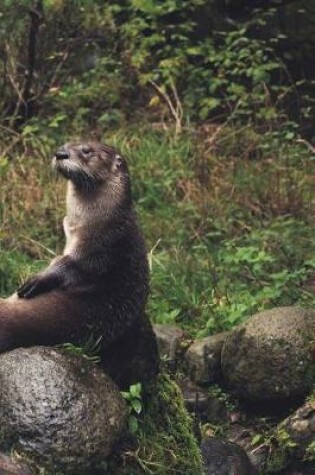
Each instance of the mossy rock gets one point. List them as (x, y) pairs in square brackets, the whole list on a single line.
[(269, 358), (165, 444)]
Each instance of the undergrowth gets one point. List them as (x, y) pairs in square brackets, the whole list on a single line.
[(165, 444), (225, 201), (228, 230)]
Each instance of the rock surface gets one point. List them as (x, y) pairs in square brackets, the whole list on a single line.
[(269, 358), (57, 408), (221, 457), (204, 359), (300, 427), (169, 339), (206, 406)]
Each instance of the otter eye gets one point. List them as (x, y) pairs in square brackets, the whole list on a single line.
[(86, 149)]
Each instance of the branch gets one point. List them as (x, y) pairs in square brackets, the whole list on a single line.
[(37, 15), (309, 145), (176, 110)]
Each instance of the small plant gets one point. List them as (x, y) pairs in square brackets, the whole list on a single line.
[(90, 350), (133, 397), (218, 393), (310, 452), (280, 446)]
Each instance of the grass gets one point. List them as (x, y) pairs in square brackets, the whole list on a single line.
[(228, 224)]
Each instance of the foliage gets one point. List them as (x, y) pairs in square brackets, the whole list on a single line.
[(310, 452), (227, 235), (69, 66), (226, 206), (165, 441), (280, 446), (218, 73), (14, 267), (218, 393), (230, 267), (90, 350), (178, 57), (133, 397)]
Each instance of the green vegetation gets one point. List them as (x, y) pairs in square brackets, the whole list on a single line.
[(310, 452), (209, 101), (133, 397), (225, 204), (90, 350), (280, 446), (227, 236), (165, 444)]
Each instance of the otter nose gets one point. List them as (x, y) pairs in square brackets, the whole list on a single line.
[(62, 154)]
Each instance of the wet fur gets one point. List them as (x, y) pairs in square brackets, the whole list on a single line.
[(100, 284)]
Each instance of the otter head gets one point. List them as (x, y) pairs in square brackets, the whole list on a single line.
[(91, 165)]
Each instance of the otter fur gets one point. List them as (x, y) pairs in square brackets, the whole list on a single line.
[(100, 285)]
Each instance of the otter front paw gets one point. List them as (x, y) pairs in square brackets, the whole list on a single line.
[(38, 284)]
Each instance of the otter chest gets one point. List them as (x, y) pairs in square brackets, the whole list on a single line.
[(71, 237)]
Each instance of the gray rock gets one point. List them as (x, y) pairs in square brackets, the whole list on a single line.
[(201, 402), (292, 450), (269, 358), (221, 457), (300, 428), (300, 469), (169, 339), (242, 434), (204, 359), (58, 409)]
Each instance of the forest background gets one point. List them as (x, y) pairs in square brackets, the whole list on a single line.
[(213, 104)]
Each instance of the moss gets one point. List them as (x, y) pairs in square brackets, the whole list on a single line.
[(310, 452), (282, 448), (166, 444)]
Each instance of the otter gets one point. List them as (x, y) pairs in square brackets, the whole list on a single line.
[(100, 284)]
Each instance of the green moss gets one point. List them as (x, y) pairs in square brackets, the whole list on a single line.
[(166, 444), (282, 448), (310, 452)]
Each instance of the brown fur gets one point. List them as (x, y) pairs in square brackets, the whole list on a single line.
[(100, 283)]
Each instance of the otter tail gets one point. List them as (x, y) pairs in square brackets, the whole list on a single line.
[(46, 319)]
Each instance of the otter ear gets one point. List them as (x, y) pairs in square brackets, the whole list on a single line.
[(118, 163)]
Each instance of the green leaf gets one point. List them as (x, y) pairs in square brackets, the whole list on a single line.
[(126, 395), (257, 439), (135, 390), (133, 425), (136, 405)]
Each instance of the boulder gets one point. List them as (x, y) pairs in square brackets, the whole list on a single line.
[(207, 406), (221, 457), (204, 359), (58, 410), (270, 357), (169, 340), (291, 449), (299, 428)]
